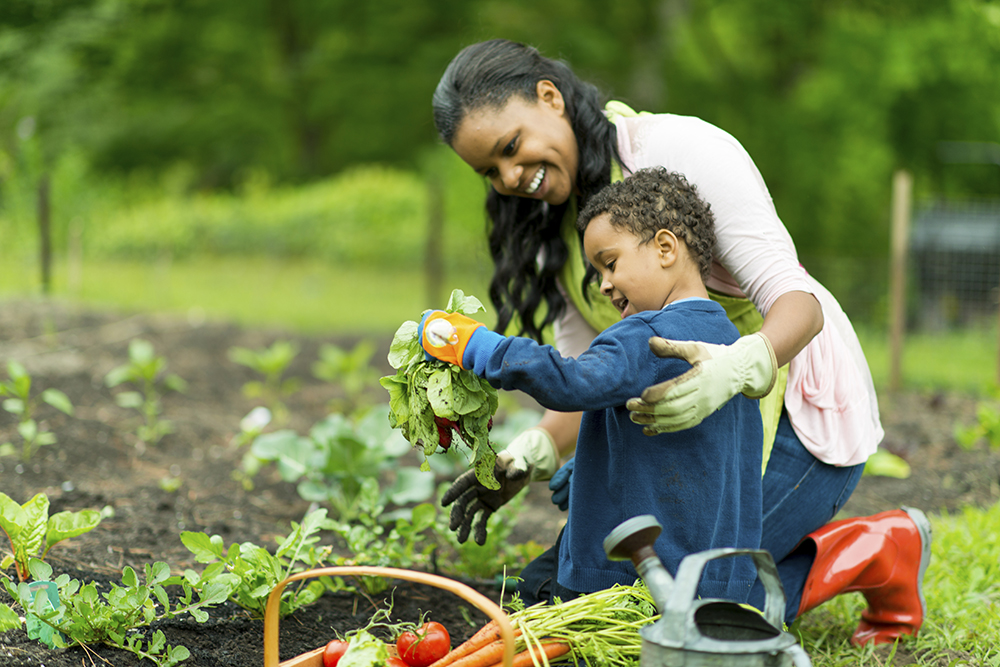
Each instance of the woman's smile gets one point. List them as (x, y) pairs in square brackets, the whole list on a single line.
[(525, 148)]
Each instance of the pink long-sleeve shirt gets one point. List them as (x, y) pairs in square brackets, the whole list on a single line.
[(830, 397)]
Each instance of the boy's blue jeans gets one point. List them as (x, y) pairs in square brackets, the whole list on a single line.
[(800, 494)]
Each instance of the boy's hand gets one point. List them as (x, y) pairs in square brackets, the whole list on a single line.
[(445, 336), (718, 373)]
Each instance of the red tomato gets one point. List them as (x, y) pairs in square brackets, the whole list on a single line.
[(395, 661), (333, 651), (428, 644)]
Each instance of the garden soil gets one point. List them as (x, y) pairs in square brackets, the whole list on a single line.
[(98, 463)]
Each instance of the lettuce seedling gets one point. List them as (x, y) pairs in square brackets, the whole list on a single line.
[(32, 532), (23, 405), (145, 370), (271, 362), (86, 616), (430, 400)]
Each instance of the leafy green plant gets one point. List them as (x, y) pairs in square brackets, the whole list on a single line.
[(251, 572), (986, 427), (351, 370), (146, 371), (499, 556), (403, 543), (22, 404), (430, 399), (270, 362), (252, 425), (32, 532), (85, 616), (331, 463)]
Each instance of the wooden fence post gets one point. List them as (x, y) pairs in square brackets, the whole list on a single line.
[(45, 233), (902, 187)]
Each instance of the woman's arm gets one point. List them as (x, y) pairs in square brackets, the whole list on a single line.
[(564, 427), (793, 321)]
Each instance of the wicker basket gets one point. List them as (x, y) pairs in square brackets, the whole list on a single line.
[(314, 658)]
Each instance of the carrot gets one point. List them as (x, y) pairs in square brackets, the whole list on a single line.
[(485, 636), (483, 657), (527, 657)]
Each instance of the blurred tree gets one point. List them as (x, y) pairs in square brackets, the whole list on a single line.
[(828, 97)]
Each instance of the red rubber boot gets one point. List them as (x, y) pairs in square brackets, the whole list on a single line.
[(883, 556)]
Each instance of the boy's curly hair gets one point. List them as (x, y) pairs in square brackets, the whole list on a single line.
[(653, 199)]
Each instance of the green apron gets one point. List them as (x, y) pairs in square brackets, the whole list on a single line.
[(601, 314)]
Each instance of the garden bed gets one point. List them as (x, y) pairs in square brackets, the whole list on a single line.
[(97, 463)]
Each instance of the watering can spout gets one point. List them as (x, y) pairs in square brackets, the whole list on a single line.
[(633, 540)]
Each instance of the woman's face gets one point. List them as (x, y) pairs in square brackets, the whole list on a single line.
[(527, 148)]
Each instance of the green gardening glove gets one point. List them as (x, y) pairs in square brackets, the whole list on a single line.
[(718, 372)]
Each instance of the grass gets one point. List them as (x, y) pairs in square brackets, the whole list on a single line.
[(306, 296), (960, 360), (962, 589)]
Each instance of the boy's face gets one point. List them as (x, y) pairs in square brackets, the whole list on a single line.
[(634, 275)]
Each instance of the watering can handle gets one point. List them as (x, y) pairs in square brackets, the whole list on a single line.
[(689, 574)]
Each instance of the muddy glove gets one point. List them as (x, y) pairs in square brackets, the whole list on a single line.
[(530, 456), (559, 485), (455, 338), (718, 373)]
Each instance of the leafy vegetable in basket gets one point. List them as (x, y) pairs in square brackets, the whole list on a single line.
[(430, 401)]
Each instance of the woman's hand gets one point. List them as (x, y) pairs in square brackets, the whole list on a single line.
[(718, 372), (530, 456)]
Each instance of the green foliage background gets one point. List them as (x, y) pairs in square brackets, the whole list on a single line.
[(302, 128)]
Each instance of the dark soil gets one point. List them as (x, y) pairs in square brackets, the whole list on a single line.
[(97, 462)]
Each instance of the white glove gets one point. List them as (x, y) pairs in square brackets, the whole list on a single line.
[(532, 450), (718, 373)]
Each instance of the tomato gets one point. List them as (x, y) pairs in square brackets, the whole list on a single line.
[(428, 644), (333, 651), (395, 661)]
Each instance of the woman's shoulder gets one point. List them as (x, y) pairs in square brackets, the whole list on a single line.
[(666, 138)]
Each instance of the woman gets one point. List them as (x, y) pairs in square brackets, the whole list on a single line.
[(541, 138)]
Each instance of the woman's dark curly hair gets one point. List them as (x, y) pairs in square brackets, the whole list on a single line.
[(523, 233), (653, 199)]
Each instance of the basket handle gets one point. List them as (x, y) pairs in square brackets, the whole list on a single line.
[(477, 599)]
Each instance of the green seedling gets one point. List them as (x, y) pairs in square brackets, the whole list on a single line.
[(85, 616), (986, 428), (271, 362), (146, 371), (32, 532), (22, 404), (332, 462), (253, 571), (252, 426), (372, 541), (351, 370)]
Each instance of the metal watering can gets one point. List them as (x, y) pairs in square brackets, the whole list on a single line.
[(704, 633)]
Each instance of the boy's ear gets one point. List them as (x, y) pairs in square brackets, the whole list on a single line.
[(668, 246)]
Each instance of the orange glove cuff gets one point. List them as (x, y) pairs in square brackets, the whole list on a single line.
[(453, 351)]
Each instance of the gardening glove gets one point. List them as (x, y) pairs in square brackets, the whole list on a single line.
[(559, 485), (530, 456), (455, 338), (718, 373)]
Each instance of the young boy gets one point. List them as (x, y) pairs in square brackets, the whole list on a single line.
[(650, 239)]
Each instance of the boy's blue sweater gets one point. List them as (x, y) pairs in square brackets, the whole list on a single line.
[(703, 484)]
